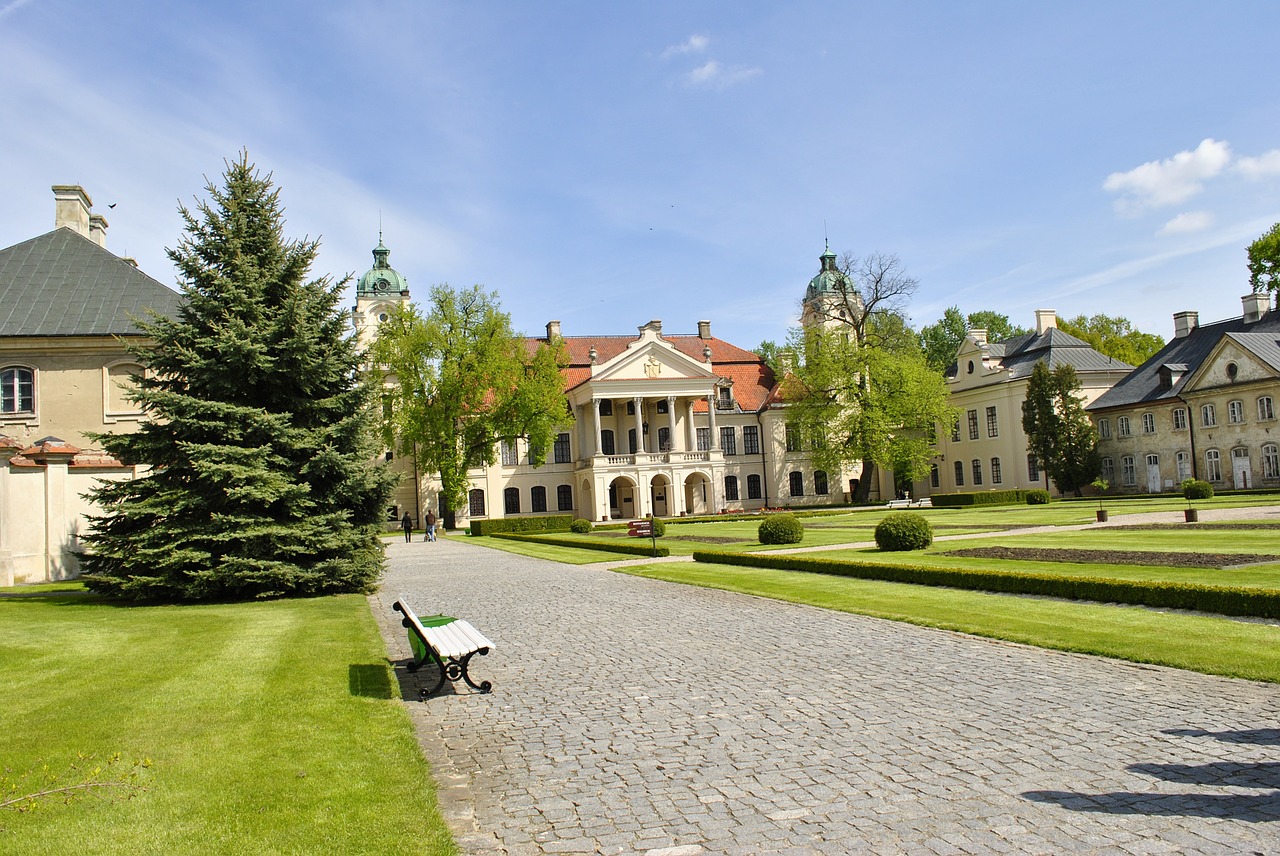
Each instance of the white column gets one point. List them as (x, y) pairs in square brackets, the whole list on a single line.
[(671, 422), (639, 406), (711, 421), (690, 430), (595, 421)]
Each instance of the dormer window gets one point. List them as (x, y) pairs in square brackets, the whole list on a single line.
[(724, 398)]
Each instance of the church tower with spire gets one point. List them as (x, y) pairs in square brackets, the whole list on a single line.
[(830, 297), (380, 290)]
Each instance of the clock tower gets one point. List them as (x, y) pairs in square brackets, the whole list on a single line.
[(380, 290)]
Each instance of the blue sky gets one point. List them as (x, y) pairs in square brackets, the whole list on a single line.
[(604, 163)]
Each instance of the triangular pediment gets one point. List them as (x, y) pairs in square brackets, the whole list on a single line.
[(652, 359), (1235, 359), (975, 366)]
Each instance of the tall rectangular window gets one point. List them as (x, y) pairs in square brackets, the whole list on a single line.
[(796, 480), (564, 497), (561, 449), (1213, 465), (1122, 426), (820, 483), (977, 471), (1235, 412), (1179, 419), (475, 502), (753, 487), (1270, 461), (996, 476), (993, 429), (973, 424), (731, 488), (750, 440), (511, 500), (17, 390), (704, 439), (959, 473), (1104, 429), (1148, 423), (607, 446), (537, 498), (1033, 469), (664, 439), (793, 438), (510, 453), (955, 432), (728, 440), (935, 480), (1265, 410), (1108, 471), (1208, 416), (1128, 473)]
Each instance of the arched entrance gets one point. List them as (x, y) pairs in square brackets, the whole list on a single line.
[(586, 502), (697, 494), (661, 497), (622, 498)]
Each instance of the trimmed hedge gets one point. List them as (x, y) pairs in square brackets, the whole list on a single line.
[(1222, 600), (780, 529), (901, 531), (644, 549), (581, 526), (1039, 496), (550, 523), (982, 497)]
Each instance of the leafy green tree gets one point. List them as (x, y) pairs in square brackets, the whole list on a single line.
[(258, 432), (861, 390), (464, 382), (1058, 429), (941, 340), (1114, 336), (1264, 262)]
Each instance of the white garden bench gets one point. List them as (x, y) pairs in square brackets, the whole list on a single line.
[(448, 642)]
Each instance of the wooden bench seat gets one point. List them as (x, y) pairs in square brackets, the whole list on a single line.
[(448, 642)]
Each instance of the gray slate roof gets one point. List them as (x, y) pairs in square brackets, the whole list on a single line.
[(1020, 354), (1143, 384), (63, 284)]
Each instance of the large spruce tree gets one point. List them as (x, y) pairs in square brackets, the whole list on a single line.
[(258, 431)]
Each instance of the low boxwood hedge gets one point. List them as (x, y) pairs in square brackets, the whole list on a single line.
[(1222, 600), (979, 497), (548, 523), (645, 548)]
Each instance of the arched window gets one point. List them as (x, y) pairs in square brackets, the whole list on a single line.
[(1122, 426), (1208, 416), (1265, 410), (820, 483), (1179, 419), (1212, 464), (997, 477), (935, 480), (959, 473), (564, 497), (475, 502), (17, 390), (731, 488), (1235, 412), (796, 483), (511, 500), (1108, 470), (977, 471), (753, 487), (664, 439), (537, 498), (1104, 429), (1128, 472), (1184, 466), (1148, 423), (1270, 461)]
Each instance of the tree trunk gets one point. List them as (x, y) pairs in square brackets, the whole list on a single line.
[(863, 494)]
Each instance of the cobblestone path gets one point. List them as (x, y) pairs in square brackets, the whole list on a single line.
[(635, 716)]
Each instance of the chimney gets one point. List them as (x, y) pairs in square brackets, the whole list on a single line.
[(1255, 306), (1184, 323), (553, 330), (98, 229), (704, 329), (978, 335), (71, 208), (1046, 319)]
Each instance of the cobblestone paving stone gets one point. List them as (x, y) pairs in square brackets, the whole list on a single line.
[(635, 716)]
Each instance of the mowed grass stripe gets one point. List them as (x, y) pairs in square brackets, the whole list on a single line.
[(271, 727)]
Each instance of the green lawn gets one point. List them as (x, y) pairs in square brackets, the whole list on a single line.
[(271, 728), (1206, 644)]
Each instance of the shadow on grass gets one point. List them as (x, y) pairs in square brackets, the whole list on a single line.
[(369, 680)]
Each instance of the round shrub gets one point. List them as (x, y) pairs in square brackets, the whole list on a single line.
[(781, 529), (903, 530), (1038, 496), (581, 526), (659, 527), (1197, 489)]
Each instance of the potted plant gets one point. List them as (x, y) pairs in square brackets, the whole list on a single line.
[(1101, 485), (1195, 489)]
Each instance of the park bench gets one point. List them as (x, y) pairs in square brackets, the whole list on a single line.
[(448, 642), (911, 503)]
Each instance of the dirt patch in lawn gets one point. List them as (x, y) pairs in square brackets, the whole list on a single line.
[(710, 539), (1115, 557)]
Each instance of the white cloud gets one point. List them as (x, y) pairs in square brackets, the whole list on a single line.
[(694, 44), (713, 75), (1190, 221), (1156, 184), (1263, 166), (12, 7)]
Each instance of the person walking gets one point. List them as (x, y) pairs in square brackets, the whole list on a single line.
[(431, 525), (407, 525)]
